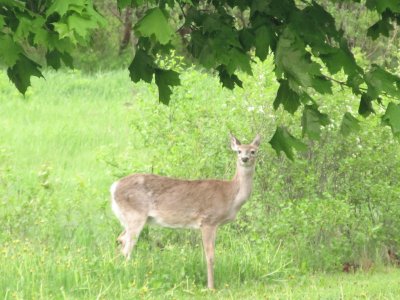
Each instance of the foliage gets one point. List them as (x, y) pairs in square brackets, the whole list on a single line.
[(222, 36), (362, 27), (52, 28)]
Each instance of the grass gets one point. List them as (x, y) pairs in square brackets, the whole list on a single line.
[(36, 271), (65, 142)]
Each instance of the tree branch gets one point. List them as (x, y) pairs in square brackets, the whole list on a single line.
[(344, 83)]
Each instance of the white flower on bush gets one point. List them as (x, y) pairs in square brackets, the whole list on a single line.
[(331, 126)]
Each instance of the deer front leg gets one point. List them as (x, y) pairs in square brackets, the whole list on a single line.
[(208, 233)]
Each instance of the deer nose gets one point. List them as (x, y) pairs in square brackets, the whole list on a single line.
[(245, 159)]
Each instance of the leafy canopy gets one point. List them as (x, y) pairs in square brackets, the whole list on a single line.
[(301, 35)]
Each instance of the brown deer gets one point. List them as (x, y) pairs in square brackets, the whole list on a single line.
[(203, 204)]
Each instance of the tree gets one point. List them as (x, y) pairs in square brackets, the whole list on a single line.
[(223, 36)]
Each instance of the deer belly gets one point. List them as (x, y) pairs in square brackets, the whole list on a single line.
[(229, 218), (173, 221)]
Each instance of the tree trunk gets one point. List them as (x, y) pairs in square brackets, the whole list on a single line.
[(127, 30)]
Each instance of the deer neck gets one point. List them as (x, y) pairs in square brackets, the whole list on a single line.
[(243, 179)]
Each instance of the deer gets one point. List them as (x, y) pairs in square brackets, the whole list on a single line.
[(204, 204)]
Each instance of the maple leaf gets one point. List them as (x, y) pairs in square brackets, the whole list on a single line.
[(164, 80), (349, 124), (155, 25), (287, 97), (142, 67), (312, 120), (392, 118), (283, 141), (293, 60), (20, 74)]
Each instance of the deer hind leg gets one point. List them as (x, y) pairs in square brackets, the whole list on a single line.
[(134, 225), (208, 233), (121, 239)]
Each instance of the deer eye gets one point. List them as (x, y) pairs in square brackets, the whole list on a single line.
[(252, 152), (239, 151)]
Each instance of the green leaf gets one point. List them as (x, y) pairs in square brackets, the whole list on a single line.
[(53, 41), (9, 50), (259, 6), (155, 24), (349, 124), (315, 25), (63, 30), (164, 80), (340, 59), (382, 27), (228, 80), (322, 85), (306, 99), (379, 80), (20, 74), (41, 38), (365, 108), (293, 60), (39, 31), (2, 22), (392, 118), (67, 59), (23, 28), (282, 140), (237, 59), (382, 5), (53, 59), (61, 6), (287, 97), (312, 120), (81, 24), (355, 81), (246, 38), (206, 52), (124, 3), (94, 15), (264, 36), (142, 67)]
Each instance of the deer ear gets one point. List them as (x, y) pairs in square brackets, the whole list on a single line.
[(234, 143), (256, 141)]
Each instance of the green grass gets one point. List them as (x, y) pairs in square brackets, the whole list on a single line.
[(33, 270), (72, 135)]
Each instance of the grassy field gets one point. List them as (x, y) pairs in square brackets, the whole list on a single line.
[(72, 135)]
